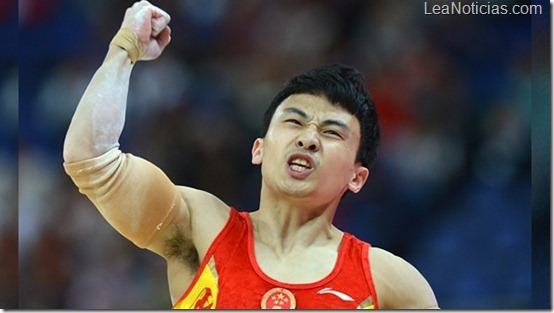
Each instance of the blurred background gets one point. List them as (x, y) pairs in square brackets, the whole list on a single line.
[(460, 187), (8, 153)]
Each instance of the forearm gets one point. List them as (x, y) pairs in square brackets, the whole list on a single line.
[(100, 115)]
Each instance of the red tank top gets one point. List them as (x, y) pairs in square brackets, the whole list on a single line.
[(230, 278)]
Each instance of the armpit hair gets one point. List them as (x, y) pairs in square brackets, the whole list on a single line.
[(179, 246)]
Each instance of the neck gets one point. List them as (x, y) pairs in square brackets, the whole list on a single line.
[(286, 223)]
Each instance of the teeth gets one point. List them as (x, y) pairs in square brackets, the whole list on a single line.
[(297, 168), (301, 162), (299, 165)]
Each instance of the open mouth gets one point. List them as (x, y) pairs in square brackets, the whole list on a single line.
[(300, 163)]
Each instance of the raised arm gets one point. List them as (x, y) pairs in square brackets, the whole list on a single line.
[(132, 194), (99, 118)]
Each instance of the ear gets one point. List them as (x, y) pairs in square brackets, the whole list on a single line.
[(257, 151), (359, 178)]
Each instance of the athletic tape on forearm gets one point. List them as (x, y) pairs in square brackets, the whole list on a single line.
[(128, 40)]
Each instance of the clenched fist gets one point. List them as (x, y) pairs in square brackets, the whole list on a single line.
[(150, 24)]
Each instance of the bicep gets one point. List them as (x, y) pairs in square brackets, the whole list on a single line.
[(143, 205), (132, 194)]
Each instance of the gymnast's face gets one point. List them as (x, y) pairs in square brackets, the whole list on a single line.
[(310, 150)]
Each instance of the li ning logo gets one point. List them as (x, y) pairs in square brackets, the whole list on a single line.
[(339, 294)]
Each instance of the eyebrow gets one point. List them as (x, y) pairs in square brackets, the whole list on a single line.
[(293, 110), (339, 123)]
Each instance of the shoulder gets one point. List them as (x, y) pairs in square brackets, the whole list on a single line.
[(205, 214), (201, 204), (398, 284)]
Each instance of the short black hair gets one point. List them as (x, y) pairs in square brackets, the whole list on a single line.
[(345, 87)]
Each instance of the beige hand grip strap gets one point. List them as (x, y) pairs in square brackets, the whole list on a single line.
[(128, 40)]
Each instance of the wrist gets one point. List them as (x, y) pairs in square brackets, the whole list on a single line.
[(127, 40), (118, 55)]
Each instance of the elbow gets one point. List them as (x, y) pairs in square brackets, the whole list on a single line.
[(70, 152), (73, 146), (75, 152)]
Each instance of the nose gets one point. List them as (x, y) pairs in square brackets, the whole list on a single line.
[(308, 140)]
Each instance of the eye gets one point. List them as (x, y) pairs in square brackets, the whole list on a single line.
[(332, 133), (293, 121)]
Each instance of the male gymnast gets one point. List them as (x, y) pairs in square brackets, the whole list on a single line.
[(319, 139)]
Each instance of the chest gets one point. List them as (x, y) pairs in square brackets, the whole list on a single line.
[(254, 276), (294, 283), (306, 265), (239, 272)]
